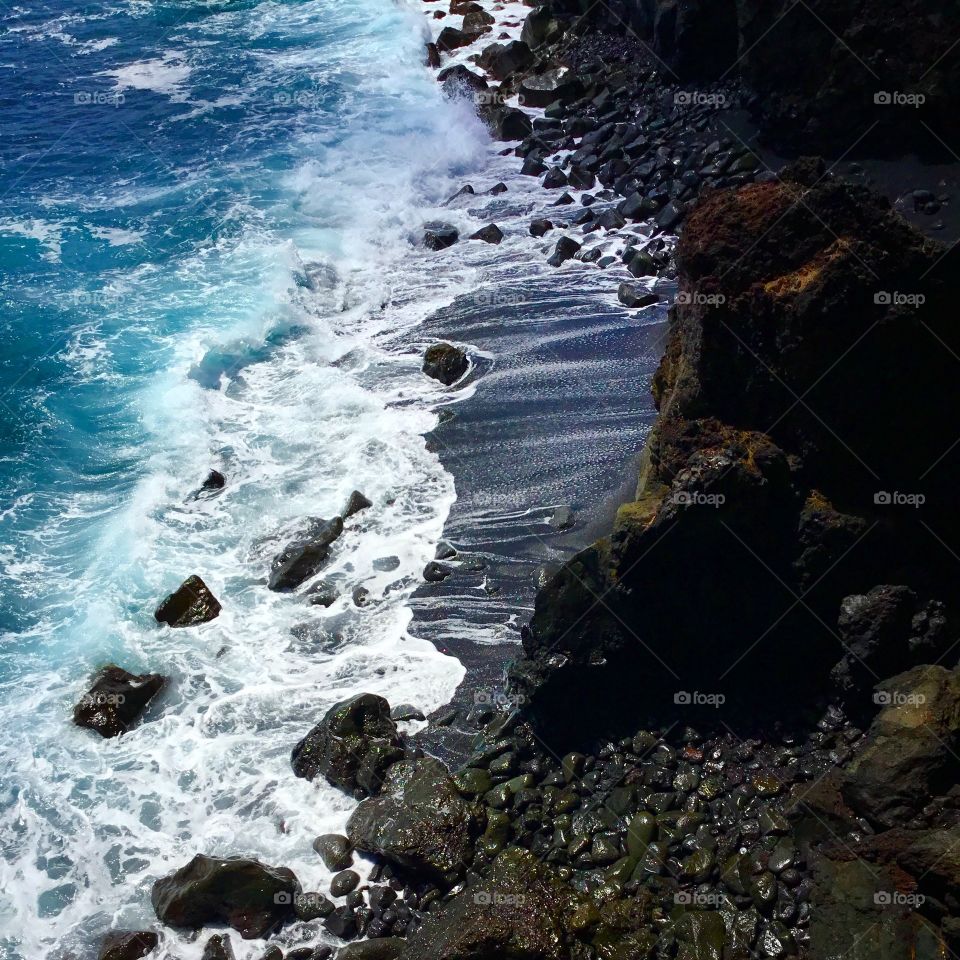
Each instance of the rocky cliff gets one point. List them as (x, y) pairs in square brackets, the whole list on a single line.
[(794, 534)]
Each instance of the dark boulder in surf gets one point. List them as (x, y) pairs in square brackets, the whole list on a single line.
[(127, 945), (445, 362), (439, 236), (355, 504), (352, 747), (245, 894), (115, 700), (500, 60), (191, 603), (301, 559), (491, 233)]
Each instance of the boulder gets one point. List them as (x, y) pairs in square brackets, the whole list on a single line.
[(218, 947), (491, 233), (566, 248), (115, 700), (406, 711), (885, 632), (383, 948), (540, 27), (910, 753), (335, 851), (519, 911), (477, 22), (459, 77), (543, 89), (247, 895), (304, 557), (352, 747), (127, 944), (439, 236), (355, 504), (539, 227), (191, 603), (432, 56), (435, 572), (555, 179), (215, 481), (452, 39), (501, 60), (506, 123), (630, 295), (419, 822), (445, 362)]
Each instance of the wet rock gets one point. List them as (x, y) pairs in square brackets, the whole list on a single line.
[(355, 504), (519, 910), (303, 558), (565, 249), (191, 603), (491, 233), (539, 227), (343, 882), (342, 923), (439, 236), (540, 90), (335, 851), (445, 362), (633, 296), (324, 593), (383, 948), (459, 77), (386, 564), (247, 895), (312, 906), (444, 551), (701, 935), (555, 179), (432, 56), (500, 60), (116, 700), (910, 753), (435, 572), (451, 39), (420, 822), (406, 711), (564, 200), (215, 481), (497, 189), (563, 518), (218, 947), (506, 123), (352, 747), (360, 596), (127, 944)]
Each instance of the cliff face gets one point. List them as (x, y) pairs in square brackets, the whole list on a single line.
[(803, 455), (827, 75)]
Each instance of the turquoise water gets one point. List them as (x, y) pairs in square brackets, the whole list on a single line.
[(205, 241)]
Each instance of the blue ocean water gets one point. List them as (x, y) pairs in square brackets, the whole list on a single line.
[(206, 262)]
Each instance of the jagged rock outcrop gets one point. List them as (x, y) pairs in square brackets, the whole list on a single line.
[(793, 464), (116, 699)]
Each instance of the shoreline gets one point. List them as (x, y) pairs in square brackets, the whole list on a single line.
[(679, 837)]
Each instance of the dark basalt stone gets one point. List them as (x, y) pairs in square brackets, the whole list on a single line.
[(303, 558), (565, 249), (439, 236), (633, 296), (540, 227), (247, 895), (452, 39), (218, 947), (383, 948), (116, 700), (191, 603), (488, 234), (462, 78), (445, 362), (419, 822), (435, 572), (335, 850), (355, 504), (352, 747), (506, 123), (500, 60), (127, 944)]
